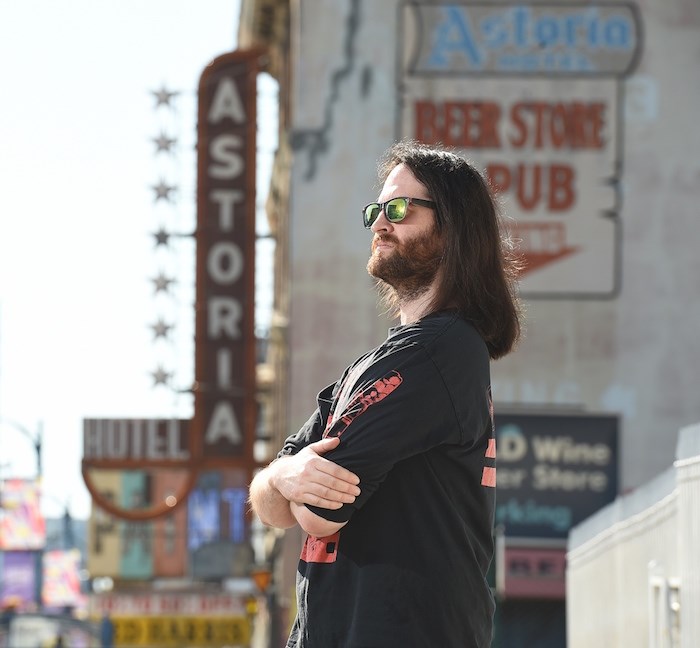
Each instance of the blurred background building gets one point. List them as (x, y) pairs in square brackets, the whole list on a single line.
[(583, 116)]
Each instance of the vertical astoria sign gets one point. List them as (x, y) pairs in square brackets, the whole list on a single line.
[(224, 419), (221, 434)]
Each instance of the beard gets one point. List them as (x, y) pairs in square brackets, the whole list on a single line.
[(409, 269)]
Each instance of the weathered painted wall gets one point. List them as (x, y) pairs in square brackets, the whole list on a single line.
[(634, 351)]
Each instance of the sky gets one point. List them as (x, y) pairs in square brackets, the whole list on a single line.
[(78, 213)]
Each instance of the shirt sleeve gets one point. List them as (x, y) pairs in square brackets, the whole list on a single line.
[(402, 407), (313, 429)]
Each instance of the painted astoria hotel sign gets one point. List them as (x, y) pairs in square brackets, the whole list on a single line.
[(221, 433), (532, 95)]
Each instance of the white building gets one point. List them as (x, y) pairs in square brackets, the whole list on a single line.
[(633, 575)]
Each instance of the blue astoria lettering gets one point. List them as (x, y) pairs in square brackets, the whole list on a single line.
[(454, 34), (523, 30)]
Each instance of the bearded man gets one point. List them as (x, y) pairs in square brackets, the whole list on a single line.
[(393, 477)]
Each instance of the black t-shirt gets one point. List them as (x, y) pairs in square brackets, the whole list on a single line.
[(409, 568)]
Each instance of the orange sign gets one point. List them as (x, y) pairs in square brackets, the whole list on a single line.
[(262, 578)]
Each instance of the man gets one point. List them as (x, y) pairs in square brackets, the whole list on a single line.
[(106, 632), (393, 476)]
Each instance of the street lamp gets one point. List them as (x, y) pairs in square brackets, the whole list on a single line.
[(67, 535), (36, 440)]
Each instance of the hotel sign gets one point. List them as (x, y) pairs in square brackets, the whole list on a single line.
[(122, 443)]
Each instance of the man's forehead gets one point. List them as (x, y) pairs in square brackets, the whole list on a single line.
[(402, 182)]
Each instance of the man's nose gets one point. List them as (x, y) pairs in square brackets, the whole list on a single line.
[(382, 223)]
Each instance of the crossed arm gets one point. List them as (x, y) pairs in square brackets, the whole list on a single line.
[(278, 493)]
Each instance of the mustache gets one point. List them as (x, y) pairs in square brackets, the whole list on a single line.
[(383, 238)]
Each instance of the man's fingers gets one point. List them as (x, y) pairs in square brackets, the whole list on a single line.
[(329, 498), (309, 478), (337, 472), (326, 504), (345, 484), (333, 469), (319, 493), (336, 491)]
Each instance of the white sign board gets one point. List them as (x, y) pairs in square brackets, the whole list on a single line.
[(530, 94)]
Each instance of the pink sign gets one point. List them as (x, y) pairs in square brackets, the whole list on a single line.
[(22, 526), (61, 586)]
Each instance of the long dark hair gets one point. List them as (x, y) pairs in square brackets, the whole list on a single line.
[(479, 267)]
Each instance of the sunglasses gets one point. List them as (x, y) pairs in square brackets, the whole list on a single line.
[(395, 209)]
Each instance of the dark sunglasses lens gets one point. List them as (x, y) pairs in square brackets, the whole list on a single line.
[(371, 213), (396, 209)]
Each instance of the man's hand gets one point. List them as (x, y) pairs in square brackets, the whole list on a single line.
[(308, 478)]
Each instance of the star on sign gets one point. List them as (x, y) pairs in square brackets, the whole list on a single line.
[(162, 283), (160, 329), (160, 376), (163, 190), (163, 96), (162, 237), (164, 143)]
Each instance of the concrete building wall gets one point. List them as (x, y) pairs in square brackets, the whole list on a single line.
[(343, 107)]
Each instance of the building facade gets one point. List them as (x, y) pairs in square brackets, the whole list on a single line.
[(572, 110)]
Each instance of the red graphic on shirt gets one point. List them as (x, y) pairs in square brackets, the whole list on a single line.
[(488, 475), (376, 392), (321, 550)]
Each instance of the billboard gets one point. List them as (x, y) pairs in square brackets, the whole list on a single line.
[(175, 618), (22, 526), (18, 583), (553, 471), (178, 631), (61, 582)]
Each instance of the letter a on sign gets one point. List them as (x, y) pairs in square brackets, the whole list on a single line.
[(223, 425), (226, 103)]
